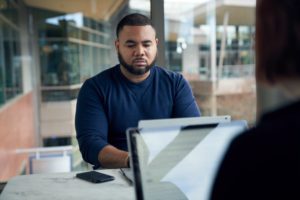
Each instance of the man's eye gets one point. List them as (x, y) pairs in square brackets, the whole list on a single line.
[(130, 45)]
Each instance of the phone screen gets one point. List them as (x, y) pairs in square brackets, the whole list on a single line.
[(94, 177)]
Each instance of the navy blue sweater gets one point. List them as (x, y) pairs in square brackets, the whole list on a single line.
[(108, 104)]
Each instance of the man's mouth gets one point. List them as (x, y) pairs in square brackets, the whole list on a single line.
[(139, 62)]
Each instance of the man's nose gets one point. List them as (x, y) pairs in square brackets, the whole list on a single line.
[(139, 51)]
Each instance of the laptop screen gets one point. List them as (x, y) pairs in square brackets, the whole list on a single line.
[(179, 162)]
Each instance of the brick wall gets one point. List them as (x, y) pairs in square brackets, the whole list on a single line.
[(16, 131)]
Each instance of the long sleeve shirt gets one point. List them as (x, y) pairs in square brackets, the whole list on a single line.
[(109, 103)]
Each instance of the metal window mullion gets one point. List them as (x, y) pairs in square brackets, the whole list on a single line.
[(2, 64)]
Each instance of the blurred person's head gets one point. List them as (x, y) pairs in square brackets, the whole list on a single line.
[(136, 45), (277, 40)]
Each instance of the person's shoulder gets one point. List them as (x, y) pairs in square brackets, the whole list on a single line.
[(277, 127), (288, 113), (106, 74), (102, 79), (261, 133), (166, 73), (103, 76), (282, 120)]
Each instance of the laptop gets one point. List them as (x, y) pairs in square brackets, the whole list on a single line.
[(178, 161), (127, 173)]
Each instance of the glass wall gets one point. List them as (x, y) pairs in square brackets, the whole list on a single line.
[(74, 42), (74, 46), (210, 42), (10, 61)]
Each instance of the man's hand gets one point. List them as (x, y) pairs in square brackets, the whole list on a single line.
[(111, 157)]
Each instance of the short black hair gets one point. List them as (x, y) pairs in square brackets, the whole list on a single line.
[(134, 19)]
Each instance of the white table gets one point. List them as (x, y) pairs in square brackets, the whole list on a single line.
[(65, 186)]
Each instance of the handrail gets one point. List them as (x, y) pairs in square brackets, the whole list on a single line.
[(37, 151)]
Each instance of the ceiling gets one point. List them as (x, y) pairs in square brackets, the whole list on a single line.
[(238, 15), (240, 12), (96, 9)]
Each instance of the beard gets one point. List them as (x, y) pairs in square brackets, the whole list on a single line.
[(135, 70)]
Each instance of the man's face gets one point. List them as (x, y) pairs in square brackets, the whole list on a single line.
[(137, 48)]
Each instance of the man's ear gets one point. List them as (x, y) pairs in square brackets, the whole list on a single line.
[(117, 45), (156, 41)]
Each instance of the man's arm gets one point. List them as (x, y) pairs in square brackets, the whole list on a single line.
[(111, 157), (92, 127), (90, 123), (185, 104)]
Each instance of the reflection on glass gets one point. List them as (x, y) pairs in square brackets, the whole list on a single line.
[(70, 47), (180, 163), (10, 55), (73, 46), (210, 42), (191, 26)]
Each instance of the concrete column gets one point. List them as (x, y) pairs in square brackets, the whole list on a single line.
[(211, 21), (157, 17)]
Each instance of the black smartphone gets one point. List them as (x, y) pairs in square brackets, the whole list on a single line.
[(95, 177)]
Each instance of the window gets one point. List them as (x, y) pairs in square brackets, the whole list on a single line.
[(10, 62), (74, 46), (210, 42)]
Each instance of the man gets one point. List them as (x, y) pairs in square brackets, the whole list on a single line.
[(119, 97)]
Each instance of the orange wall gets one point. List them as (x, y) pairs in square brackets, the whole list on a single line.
[(16, 131)]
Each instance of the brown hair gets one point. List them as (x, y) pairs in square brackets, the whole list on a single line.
[(277, 40)]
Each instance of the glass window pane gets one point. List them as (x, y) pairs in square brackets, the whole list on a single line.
[(10, 55), (211, 44), (74, 46)]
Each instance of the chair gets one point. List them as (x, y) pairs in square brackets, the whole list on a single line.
[(49, 159)]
